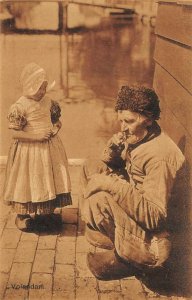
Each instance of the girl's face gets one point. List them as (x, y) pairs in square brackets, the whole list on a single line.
[(41, 92)]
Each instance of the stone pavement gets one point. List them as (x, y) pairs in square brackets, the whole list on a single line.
[(54, 265)]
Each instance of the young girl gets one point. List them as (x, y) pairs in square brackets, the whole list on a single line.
[(37, 178)]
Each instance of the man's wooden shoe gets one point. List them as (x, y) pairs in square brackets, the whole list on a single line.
[(109, 266), (98, 239)]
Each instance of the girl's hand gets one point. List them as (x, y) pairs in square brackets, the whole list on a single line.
[(58, 124), (44, 136), (31, 137), (56, 127)]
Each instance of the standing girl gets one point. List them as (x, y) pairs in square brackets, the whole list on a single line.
[(37, 179)]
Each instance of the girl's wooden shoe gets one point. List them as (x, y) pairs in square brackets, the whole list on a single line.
[(25, 223), (48, 223)]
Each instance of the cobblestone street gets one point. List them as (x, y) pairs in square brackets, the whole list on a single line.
[(54, 265)]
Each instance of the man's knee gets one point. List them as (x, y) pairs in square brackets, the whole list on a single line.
[(98, 200), (88, 168), (96, 206), (93, 166)]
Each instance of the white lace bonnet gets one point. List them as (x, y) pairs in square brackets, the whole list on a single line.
[(32, 78)]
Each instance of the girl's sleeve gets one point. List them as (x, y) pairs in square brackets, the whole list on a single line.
[(55, 111), (16, 116)]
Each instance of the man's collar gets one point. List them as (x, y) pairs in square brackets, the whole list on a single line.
[(153, 131)]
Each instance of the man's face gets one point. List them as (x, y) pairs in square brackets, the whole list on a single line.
[(133, 124)]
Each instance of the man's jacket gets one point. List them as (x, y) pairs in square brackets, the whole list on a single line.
[(155, 193)]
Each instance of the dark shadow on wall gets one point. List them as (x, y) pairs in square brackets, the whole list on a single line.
[(176, 278), (182, 144)]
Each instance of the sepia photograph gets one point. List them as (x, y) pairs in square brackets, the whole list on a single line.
[(95, 149)]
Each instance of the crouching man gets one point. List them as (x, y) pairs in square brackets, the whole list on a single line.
[(129, 197)]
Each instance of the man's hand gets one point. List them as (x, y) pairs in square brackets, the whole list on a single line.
[(117, 139), (98, 182)]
